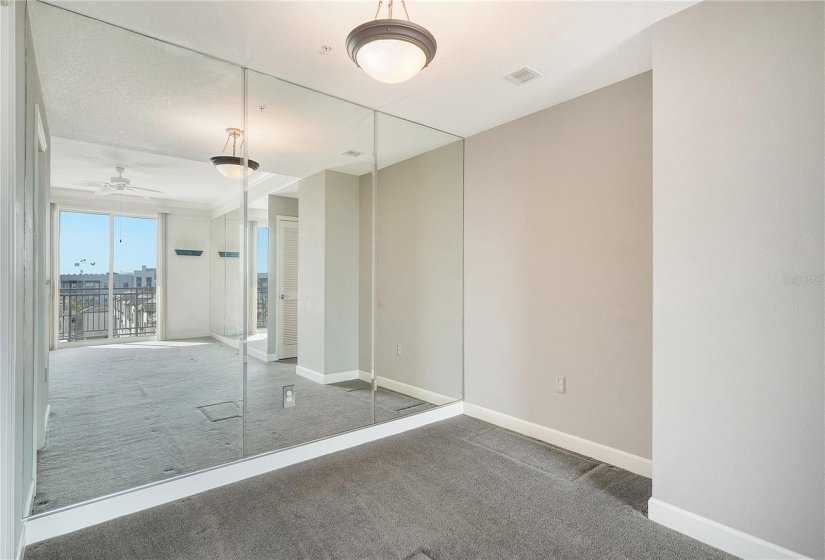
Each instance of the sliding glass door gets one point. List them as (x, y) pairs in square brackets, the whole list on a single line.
[(107, 278)]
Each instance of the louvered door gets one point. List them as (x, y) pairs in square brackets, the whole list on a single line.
[(287, 304)]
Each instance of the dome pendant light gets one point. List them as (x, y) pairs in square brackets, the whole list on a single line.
[(232, 166), (391, 50)]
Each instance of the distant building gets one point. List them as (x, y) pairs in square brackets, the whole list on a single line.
[(84, 307), (143, 278)]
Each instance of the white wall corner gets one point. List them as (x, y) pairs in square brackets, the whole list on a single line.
[(716, 534), (617, 457)]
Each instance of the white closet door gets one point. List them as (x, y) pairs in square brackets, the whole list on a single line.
[(287, 304)]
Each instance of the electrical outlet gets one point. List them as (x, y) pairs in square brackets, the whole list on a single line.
[(289, 396), (399, 351), (561, 384)]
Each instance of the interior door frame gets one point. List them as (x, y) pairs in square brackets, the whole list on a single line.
[(279, 328)]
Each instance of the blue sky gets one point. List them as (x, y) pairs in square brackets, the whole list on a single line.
[(263, 249), (86, 236)]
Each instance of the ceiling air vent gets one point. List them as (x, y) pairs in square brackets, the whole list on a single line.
[(523, 74), (352, 153)]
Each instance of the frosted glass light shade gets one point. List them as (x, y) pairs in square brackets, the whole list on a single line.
[(391, 50), (232, 167), (391, 61)]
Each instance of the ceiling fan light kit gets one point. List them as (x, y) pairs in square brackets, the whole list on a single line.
[(232, 166), (119, 184), (391, 50)]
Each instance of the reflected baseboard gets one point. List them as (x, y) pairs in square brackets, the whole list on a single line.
[(51, 524), (409, 390), (326, 379)]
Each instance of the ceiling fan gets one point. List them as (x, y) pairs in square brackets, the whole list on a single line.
[(118, 184)]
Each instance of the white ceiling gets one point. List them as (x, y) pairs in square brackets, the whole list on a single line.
[(195, 182), (116, 98), (120, 98), (578, 46)]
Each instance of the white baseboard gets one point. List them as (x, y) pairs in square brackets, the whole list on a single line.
[(29, 503), (21, 545), (185, 335), (406, 389), (716, 534), (617, 457), (263, 356), (328, 378), (73, 518)]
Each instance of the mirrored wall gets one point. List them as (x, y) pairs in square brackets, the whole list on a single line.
[(308, 287)]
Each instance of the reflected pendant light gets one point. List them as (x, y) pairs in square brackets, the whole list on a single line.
[(391, 50), (232, 166)]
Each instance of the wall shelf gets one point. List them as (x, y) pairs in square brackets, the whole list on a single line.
[(188, 252)]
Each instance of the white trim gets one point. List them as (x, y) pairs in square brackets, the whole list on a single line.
[(328, 378), (106, 341), (261, 355), (11, 59), (716, 534), (67, 520), (83, 201), (46, 419), (42, 143), (187, 334), (231, 342), (617, 457), (27, 505), (409, 390)]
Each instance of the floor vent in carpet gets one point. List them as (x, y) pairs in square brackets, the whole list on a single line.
[(220, 411), (418, 555), (534, 453)]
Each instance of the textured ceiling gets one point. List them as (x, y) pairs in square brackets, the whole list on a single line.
[(114, 97), (180, 180), (578, 46)]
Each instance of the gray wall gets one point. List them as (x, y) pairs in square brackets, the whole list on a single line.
[(342, 290), (419, 271), (738, 205), (365, 273), (558, 267), (278, 206), (311, 273), (328, 273)]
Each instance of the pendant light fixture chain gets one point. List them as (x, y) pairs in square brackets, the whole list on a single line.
[(378, 11), (406, 13)]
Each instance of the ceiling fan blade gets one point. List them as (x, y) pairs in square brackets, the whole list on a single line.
[(136, 192), (144, 189), (91, 184), (106, 189)]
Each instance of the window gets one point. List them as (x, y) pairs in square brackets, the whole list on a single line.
[(148, 281), (139, 282)]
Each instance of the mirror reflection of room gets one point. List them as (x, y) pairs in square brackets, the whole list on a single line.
[(224, 286)]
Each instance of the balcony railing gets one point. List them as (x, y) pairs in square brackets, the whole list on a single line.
[(263, 303), (86, 313)]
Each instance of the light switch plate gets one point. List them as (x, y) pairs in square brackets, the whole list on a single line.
[(561, 384), (289, 396)]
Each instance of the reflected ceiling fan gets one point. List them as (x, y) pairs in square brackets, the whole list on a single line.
[(118, 184)]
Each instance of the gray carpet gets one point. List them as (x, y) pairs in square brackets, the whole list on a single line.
[(434, 493), (127, 415)]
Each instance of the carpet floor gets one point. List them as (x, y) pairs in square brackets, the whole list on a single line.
[(125, 415), (460, 489)]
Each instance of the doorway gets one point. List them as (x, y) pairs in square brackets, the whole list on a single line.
[(286, 332), (107, 279)]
